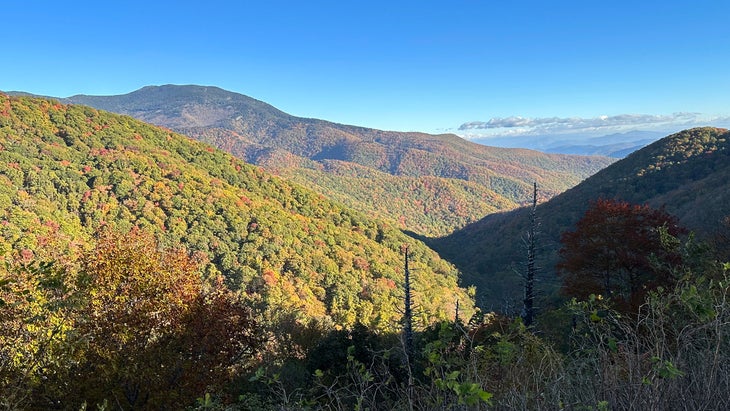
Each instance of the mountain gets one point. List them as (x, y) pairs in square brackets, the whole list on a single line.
[(428, 184), (617, 150), (67, 171), (617, 145), (687, 173)]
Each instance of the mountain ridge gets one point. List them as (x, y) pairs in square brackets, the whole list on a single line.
[(261, 134)]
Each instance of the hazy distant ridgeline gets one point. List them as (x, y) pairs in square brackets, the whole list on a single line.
[(617, 145)]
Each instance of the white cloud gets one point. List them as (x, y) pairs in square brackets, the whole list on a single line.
[(577, 123), (523, 126)]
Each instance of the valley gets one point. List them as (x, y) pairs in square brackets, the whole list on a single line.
[(432, 184), (134, 255)]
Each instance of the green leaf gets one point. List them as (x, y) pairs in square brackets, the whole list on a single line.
[(257, 375), (612, 345), (595, 317), (452, 375), (485, 396)]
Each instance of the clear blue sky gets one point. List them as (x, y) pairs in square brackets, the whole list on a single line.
[(399, 65)]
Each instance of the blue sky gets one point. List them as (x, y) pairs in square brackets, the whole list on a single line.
[(469, 67)]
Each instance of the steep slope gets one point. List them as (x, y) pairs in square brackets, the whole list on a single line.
[(306, 149), (66, 171), (687, 173)]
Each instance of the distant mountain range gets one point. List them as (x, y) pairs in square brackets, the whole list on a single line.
[(687, 173), (617, 145), (428, 184)]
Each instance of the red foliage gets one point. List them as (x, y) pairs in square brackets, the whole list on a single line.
[(611, 251), (361, 263), (26, 255), (6, 108)]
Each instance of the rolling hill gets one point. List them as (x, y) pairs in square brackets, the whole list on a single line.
[(67, 171), (428, 184), (687, 173)]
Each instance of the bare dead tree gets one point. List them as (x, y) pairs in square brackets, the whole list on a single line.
[(408, 313), (528, 309)]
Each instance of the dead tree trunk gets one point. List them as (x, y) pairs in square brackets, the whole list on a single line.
[(528, 309), (408, 314), (408, 330)]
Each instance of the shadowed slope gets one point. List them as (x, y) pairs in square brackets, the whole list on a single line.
[(687, 173)]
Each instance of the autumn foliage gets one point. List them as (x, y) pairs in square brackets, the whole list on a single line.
[(67, 171), (34, 328), (612, 251), (137, 327)]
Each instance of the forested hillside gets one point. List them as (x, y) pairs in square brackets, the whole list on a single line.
[(686, 174), (67, 171), (144, 270), (447, 182)]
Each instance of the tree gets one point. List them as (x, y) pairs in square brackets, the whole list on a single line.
[(154, 333), (612, 249), (408, 327), (408, 312), (528, 310), (34, 329)]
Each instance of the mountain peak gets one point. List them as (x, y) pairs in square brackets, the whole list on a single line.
[(319, 153)]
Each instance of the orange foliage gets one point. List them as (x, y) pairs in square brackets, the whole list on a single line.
[(270, 277), (158, 335)]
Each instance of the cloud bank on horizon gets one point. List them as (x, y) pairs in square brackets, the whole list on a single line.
[(524, 126)]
